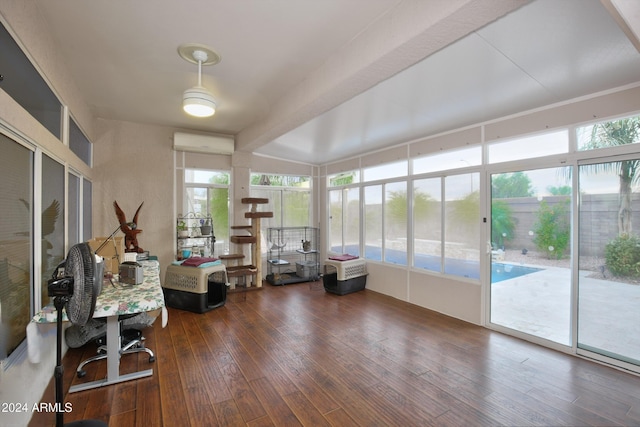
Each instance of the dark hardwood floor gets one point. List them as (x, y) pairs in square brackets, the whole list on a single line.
[(295, 355)]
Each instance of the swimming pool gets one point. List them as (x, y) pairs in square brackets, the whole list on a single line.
[(500, 272), (456, 267)]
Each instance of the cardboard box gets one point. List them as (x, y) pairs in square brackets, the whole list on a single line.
[(111, 252)]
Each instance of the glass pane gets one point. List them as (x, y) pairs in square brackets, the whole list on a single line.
[(427, 228), (78, 143), (219, 211), (373, 222), (197, 176), (454, 159), (462, 225), (352, 221), (531, 252), (197, 202), (609, 134), (395, 223), (87, 196), (52, 220), (608, 291), (275, 205), (25, 85), (280, 180), (74, 210), (295, 206), (529, 147), (335, 221), (344, 178), (388, 170), (16, 201)]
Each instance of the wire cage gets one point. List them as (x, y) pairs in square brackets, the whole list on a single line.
[(292, 254)]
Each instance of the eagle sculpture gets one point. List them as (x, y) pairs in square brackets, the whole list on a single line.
[(130, 229)]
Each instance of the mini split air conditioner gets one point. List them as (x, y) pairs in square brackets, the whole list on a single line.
[(211, 144)]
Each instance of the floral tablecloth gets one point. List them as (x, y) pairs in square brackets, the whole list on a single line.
[(122, 298), (112, 301)]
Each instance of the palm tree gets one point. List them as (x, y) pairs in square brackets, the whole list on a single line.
[(612, 134)]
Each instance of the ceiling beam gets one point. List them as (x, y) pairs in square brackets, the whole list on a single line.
[(408, 33), (627, 15)]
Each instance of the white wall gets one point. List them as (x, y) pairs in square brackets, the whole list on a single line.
[(25, 382)]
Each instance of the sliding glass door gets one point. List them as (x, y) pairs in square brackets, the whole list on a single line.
[(609, 263), (531, 252)]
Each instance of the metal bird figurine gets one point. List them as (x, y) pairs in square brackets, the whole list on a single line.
[(130, 229)]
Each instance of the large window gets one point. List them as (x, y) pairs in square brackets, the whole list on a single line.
[(395, 222), (79, 143), (336, 221), (74, 210), (373, 222), (16, 210), (52, 220), (289, 199), (427, 220), (446, 223), (207, 193), (87, 212), (344, 219), (25, 85), (449, 205), (529, 147), (614, 133), (453, 159), (385, 171), (462, 225)]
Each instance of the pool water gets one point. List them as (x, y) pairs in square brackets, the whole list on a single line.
[(500, 272), (457, 267)]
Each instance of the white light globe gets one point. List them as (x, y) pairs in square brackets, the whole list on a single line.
[(198, 102)]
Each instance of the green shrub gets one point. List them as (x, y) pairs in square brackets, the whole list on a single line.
[(552, 229), (622, 255), (502, 223)]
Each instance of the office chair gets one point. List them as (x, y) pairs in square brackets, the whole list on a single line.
[(131, 338)]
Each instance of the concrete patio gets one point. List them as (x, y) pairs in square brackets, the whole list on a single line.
[(540, 304)]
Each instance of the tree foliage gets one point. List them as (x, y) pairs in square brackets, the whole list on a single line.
[(502, 223), (553, 229), (279, 180), (396, 208), (622, 256), (508, 185), (562, 190), (613, 134)]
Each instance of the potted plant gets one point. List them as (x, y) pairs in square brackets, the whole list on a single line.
[(183, 230), (205, 227)]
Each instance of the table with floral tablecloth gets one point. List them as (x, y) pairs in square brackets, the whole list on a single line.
[(115, 299), (119, 298)]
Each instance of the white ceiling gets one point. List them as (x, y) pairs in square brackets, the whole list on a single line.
[(317, 81)]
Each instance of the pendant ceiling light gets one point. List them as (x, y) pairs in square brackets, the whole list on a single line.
[(198, 101)]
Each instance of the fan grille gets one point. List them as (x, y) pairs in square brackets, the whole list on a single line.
[(81, 265)]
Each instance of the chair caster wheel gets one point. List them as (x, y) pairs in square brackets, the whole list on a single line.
[(82, 373), (152, 359)]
